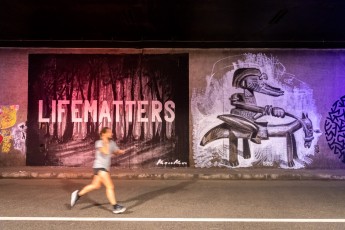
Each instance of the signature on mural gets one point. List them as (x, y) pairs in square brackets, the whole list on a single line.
[(263, 105), (177, 162)]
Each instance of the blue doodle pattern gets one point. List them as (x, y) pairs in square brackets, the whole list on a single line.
[(335, 128)]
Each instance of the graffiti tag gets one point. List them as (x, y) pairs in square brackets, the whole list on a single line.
[(171, 163)]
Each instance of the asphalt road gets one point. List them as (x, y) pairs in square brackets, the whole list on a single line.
[(260, 205)]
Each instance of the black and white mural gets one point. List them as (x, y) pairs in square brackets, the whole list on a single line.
[(253, 113)]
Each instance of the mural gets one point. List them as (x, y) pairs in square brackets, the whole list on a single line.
[(8, 119), (19, 137), (143, 98), (335, 128), (253, 113)]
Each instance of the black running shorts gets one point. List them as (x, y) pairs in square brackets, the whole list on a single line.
[(96, 170)]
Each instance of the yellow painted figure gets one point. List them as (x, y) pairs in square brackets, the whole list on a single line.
[(8, 118)]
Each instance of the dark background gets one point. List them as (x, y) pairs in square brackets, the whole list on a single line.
[(173, 23)]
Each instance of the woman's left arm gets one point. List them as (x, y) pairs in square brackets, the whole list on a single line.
[(119, 151)]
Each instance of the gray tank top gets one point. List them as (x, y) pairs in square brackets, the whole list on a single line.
[(104, 160)]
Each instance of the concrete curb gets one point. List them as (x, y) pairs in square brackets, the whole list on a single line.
[(172, 174)]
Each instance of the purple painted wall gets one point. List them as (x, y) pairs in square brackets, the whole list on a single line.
[(248, 108)]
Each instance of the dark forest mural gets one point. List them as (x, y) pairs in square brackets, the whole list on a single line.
[(142, 98)]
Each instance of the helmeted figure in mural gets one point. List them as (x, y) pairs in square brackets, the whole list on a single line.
[(242, 120)]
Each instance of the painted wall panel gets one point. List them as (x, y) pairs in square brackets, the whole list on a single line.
[(308, 88), (13, 106), (142, 98), (256, 108)]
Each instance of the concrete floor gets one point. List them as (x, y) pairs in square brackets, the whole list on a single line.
[(266, 201)]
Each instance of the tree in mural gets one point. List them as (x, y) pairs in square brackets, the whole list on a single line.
[(115, 71), (160, 87)]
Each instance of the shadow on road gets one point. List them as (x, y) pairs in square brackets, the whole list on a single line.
[(141, 199), (69, 186)]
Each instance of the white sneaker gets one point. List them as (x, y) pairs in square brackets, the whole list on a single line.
[(74, 197)]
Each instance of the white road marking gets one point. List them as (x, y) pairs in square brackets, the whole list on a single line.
[(119, 219)]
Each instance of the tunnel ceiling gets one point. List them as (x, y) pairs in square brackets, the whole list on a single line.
[(173, 23)]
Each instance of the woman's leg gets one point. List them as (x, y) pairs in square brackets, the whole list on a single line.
[(109, 186), (95, 184)]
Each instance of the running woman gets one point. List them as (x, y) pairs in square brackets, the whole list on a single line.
[(105, 147)]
